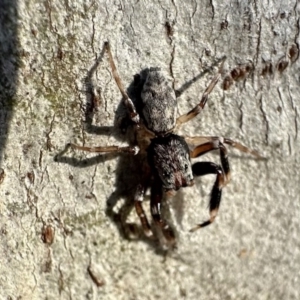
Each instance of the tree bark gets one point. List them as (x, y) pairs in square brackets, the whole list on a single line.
[(56, 87)]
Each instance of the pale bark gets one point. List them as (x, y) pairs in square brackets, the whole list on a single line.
[(252, 249)]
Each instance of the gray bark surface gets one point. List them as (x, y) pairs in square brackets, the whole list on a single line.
[(50, 62)]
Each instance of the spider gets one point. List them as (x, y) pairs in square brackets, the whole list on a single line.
[(168, 165)]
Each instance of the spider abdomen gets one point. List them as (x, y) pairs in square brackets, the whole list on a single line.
[(159, 102)]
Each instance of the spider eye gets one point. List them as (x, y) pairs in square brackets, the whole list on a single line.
[(186, 167), (166, 174)]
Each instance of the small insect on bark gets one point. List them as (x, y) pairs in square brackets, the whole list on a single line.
[(48, 234), (168, 164)]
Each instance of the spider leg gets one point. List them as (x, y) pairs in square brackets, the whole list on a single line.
[(196, 140), (138, 199), (204, 168), (155, 203), (210, 146), (108, 149), (189, 83), (199, 107), (134, 116)]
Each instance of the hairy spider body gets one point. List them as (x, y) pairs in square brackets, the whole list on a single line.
[(169, 159), (159, 103), (168, 155)]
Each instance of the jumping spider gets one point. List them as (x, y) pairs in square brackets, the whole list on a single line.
[(168, 166)]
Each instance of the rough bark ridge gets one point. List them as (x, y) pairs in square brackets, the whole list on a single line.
[(55, 87)]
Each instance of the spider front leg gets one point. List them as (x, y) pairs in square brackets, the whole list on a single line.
[(196, 140), (210, 146), (134, 116), (204, 168), (155, 203), (138, 199)]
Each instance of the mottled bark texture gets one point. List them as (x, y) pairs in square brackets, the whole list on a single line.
[(56, 87)]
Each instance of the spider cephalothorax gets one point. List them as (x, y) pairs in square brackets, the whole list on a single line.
[(169, 158)]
